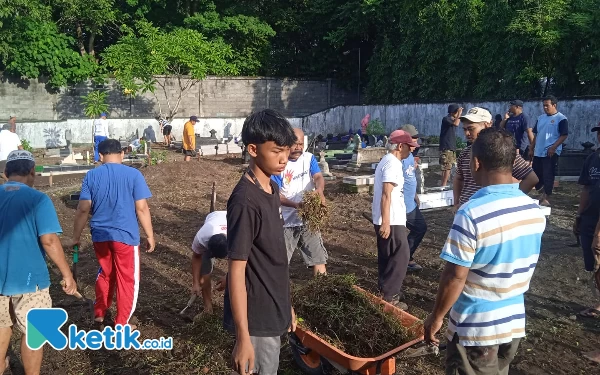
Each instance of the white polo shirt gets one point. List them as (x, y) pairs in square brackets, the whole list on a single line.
[(9, 142), (389, 170)]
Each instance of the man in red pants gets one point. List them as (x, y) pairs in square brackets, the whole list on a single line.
[(116, 195)]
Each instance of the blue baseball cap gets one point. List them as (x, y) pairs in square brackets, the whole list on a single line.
[(193, 118), (103, 114)]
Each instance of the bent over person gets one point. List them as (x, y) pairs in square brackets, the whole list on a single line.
[(28, 232), (116, 195), (491, 252)]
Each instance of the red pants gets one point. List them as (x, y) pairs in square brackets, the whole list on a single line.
[(120, 269)]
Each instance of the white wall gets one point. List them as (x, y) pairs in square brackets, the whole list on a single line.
[(52, 133), (583, 114)]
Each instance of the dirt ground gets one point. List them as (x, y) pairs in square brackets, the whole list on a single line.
[(181, 195)]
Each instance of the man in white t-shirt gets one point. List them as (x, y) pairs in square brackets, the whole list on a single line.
[(9, 142), (389, 218), (209, 243), (100, 133), (301, 174)]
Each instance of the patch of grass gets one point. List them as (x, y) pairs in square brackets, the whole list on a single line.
[(313, 214), (330, 307), (212, 344)]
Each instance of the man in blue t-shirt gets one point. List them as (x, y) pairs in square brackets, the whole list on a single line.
[(551, 131), (116, 195), (415, 222), (29, 230), (516, 124)]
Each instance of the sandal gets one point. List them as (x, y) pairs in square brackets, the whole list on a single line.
[(590, 313), (414, 267)]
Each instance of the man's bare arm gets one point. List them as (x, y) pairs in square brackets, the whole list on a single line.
[(528, 182), (239, 298), (451, 286), (143, 213), (52, 246), (81, 217), (319, 182), (457, 187)]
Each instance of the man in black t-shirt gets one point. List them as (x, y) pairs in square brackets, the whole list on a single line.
[(516, 123), (448, 141), (257, 306), (586, 223)]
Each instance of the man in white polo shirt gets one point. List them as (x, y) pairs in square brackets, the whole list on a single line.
[(209, 243), (100, 133), (389, 218), (9, 142)]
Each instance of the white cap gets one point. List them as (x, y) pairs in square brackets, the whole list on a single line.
[(20, 155), (477, 114), (12, 116)]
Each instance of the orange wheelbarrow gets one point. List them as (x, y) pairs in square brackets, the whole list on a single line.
[(316, 356)]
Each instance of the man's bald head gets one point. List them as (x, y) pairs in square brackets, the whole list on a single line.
[(297, 149)]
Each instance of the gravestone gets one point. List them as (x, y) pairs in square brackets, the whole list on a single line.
[(325, 167), (385, 140), (213, 133), (357, 142), (68, 139), (372, 140)]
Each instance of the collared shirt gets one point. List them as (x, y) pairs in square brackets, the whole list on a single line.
[(101, 127), (547, 130), (517, 126), (294, 181), (27, 215), (497, 235), (463, 168)]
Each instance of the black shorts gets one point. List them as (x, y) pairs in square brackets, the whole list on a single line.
[(191, 153), (167, 130)]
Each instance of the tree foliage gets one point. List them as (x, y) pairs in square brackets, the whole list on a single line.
[(182, 56)]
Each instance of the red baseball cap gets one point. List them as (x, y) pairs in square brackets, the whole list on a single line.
[(401, 137)]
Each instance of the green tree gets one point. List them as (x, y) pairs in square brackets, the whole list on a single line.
[(40, 50), (11, 11), (95, 103), (182, 57)]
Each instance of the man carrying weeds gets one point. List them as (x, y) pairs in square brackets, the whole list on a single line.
[(465, 185), (257, 306), (302, 174), (491, 252), (116, 196), (389, 218), (29, 231), (209, 243)]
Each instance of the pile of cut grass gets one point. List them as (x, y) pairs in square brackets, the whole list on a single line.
[(330, 307), (313, 214)]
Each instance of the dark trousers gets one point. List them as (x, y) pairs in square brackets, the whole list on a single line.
[(393, 254), (525, 153), (545, 169), (479, 360), (415, 222), (587, 228)]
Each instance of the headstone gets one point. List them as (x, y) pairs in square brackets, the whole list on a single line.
[(325, 167), (420, 180), (213, 133), (372, 140), (357, 142), (68, 139), (69, 159), (385, 141)]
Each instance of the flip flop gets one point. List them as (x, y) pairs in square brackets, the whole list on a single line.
[(414, 267), (590, 313)]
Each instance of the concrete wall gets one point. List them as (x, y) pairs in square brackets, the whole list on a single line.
[(583, 114), (213, 97), (52, 133)]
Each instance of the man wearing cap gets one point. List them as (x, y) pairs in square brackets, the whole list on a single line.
[(100, 133), (475, 121), (189, 139), (29, 232), (9, 142), (516, 124), (12, 121), (415, 222), (389, 218), (586, 222), (448, 141), (551, 131)]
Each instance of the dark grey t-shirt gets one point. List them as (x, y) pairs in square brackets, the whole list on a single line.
[(448, 134), (255, 234), (590, 176)]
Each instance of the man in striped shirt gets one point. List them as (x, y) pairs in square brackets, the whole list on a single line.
[(465, 186), (491, 252)]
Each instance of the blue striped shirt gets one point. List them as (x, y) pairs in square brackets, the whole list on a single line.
[(497, 235)]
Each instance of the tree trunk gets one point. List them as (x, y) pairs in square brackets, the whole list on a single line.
[(80, 39), (91, 49)]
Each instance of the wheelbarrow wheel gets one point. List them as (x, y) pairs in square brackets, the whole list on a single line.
[(311, 363)]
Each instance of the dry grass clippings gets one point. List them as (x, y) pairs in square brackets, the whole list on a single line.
[(313, 214), (330, 307)]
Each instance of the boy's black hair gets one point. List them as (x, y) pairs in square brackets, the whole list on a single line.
[(217, 246), (552, 99), (18, 168), (495, 149), (268, 125), (109, 146)]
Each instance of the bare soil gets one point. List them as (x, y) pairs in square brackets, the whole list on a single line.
[(181, 196)]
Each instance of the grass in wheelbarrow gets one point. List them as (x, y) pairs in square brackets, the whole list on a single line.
[(330, 307), (312, 212)]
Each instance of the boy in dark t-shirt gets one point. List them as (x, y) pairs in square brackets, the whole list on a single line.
[(257, 296)]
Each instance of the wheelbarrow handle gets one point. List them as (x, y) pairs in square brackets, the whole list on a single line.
[(421, 349), (75, 254)]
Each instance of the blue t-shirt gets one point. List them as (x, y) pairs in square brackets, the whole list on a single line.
[(517, 126), (27, 215), (113, 189), (548, 129), (410, 183)]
